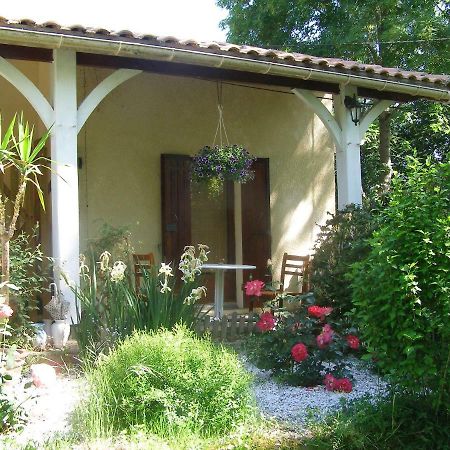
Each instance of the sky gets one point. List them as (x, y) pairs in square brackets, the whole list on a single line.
[(197, 19)]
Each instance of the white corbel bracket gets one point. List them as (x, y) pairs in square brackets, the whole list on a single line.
[(331, 122), (29, 90), (101, 91), (323, 113), (371, 115)]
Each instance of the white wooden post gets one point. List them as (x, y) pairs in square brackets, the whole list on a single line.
[(348, 158), (238, 242), (64, 182)]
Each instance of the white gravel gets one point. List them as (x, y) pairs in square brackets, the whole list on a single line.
[(48, 410), (294, 405)]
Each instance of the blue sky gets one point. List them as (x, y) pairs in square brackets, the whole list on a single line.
[(198, 19)]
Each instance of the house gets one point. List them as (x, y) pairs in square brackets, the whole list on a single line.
[(127, 110)]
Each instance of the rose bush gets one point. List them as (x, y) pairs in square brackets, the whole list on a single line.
[(302, 347)]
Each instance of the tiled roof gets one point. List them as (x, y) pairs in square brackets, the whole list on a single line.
[(244, 51)]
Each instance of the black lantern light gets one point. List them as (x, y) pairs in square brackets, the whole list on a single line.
[(355, 107)]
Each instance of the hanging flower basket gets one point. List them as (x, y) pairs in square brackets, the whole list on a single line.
[(217, 164)]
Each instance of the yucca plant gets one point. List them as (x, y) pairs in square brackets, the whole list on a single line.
[(19, 154)]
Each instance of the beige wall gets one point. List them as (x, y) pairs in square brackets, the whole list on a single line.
[(123, 139)]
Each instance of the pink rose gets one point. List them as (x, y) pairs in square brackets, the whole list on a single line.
[(253, 288), (325, 337), (330, 382), (266, 322), (353, 341), (299, 352), (5, 311)]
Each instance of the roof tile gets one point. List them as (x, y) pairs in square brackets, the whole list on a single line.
[(223, 47)]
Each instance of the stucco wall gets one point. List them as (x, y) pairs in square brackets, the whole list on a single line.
[(122, 141)]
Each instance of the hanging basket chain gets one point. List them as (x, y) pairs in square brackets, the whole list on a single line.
[(222, 161), (221, 129)]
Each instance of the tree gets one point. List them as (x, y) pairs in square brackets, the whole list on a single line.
[(20, 155), (410, 34)]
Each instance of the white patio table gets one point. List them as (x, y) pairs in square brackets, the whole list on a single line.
[(219, 275)]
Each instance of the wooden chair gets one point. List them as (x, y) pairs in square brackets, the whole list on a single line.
[(143, 261), (297, 267)]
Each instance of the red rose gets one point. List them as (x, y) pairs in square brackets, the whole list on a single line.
[(337, 384), (266, 322), (353, 341), (343, 385), (253, 288), (299, 352), (319, 312)]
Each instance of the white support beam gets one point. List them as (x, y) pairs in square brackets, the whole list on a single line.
[(101, 91), (372, 115), (238, 242), (29, 90), (322, 112), (64, 183), (348, 158)]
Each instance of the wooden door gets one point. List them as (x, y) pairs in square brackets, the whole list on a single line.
[(176, 205), (256, 237)]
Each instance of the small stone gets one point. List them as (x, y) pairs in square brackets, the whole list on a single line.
[(43, 375)]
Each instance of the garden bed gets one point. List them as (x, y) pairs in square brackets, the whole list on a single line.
[(294, 405), (290, 406)]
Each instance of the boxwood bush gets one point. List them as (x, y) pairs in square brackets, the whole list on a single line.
[(167, 382), (401, 290)]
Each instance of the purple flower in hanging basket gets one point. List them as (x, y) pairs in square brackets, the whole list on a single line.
[(230, 162)]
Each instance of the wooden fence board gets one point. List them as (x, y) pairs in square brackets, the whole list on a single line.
[(230, 327)]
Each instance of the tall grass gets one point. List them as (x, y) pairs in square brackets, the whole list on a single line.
[(169, 382), (400, 421)]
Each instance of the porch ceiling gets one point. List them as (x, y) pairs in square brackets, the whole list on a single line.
[(216, 60)]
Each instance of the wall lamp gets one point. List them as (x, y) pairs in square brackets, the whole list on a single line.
[(355, 107)]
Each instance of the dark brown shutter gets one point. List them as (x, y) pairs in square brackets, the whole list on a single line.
[(176, 205), (256, 237)]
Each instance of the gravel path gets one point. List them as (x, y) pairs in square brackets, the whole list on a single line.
[(48, 410), (293, 405)]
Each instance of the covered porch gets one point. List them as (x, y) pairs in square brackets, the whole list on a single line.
[(127, 111)]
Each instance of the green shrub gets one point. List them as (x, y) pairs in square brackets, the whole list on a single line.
[(401, 290), (340, 243), (397, 422), (30, 274), (298, 346), (167, 381)]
